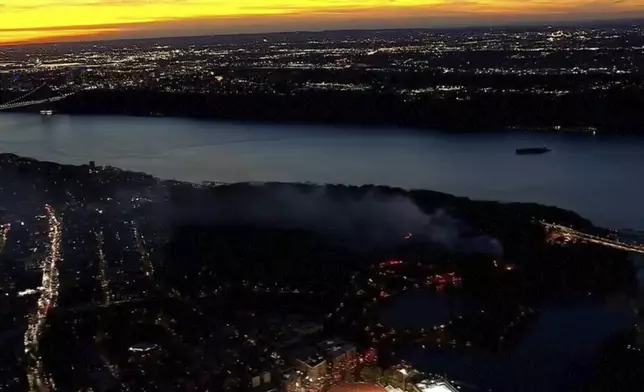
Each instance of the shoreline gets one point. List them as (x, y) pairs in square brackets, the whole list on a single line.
[(147, 178), (479, 114), (148, 163), (571, 132)]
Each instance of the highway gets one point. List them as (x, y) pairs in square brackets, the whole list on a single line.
[(39, 381), (102, 269), (566, 234), (4, 232)]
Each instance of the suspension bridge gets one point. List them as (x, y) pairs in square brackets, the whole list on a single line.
[(42, 94)]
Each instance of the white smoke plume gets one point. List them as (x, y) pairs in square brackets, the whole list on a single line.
[(363, 218)]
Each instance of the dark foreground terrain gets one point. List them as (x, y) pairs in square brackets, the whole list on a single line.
[(220, 283)]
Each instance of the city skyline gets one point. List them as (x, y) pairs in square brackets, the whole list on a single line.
[(29, 21)]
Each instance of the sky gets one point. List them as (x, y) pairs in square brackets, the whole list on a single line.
[(70, 20)]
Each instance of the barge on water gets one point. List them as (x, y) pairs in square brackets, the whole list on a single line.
[(532, 151)]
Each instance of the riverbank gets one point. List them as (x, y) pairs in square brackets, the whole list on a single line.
[(578, 175), (513, 224), (614, 113)]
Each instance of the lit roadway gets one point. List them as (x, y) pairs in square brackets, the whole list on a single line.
[(102, 268), (567, 232), (38, 380), (4, 232)]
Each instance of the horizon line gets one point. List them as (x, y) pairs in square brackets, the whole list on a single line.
[(536, 24)]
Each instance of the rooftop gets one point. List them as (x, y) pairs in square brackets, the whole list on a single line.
[(435, 386), (143, 347), (310, 356), (358, 387), (336, 346)]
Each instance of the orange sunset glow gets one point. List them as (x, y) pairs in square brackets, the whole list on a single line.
[(45, 20)]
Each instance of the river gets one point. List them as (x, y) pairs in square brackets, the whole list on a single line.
[(557, 352), (600, 177)]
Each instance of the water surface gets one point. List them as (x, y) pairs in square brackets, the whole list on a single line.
[(557, 353), (599, 177)]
